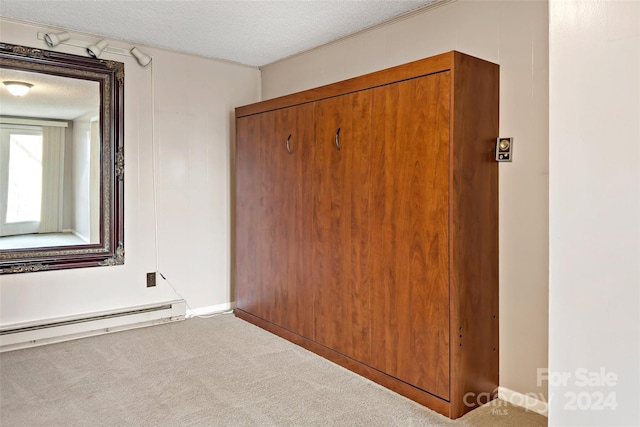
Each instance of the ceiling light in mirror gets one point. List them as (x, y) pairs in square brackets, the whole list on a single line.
[(18, 88)]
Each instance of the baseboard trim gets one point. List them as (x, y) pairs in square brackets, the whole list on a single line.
[(526, 401), (211, 309), (31, 334)]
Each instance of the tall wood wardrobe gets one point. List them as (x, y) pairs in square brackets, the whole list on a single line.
[(366, 226)]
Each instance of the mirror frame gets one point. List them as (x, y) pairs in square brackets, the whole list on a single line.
[(110, 75)]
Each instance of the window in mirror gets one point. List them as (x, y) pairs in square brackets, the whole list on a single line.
[(21, 191)]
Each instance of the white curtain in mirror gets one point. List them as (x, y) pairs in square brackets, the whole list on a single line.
[(94, 183), (52, 179)]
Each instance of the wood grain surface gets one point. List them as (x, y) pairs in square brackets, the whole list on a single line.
[(247, 215), (342, 225), (410, 299), (474, 231), (285, 218)]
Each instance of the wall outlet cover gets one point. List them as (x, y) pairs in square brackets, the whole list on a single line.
[(151, 280)]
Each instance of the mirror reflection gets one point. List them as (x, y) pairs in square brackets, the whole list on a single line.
[(49, 161), (61, 161)]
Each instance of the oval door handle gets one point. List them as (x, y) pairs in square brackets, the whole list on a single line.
[(338, 139), (287, 145)]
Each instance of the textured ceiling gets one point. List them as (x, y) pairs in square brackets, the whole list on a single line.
[(51, 97), (249, 32)]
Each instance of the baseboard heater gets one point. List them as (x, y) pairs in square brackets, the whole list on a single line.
[(30, 334)]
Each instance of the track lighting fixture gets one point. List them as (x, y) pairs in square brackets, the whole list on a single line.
[(96, 49), (54, 39), (142, 58)]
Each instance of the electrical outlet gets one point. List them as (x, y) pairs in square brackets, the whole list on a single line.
[(151, 280)]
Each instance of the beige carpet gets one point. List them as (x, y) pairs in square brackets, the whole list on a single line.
[(205, 372)]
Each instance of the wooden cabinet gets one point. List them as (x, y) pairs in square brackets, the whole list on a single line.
[(366, 226)]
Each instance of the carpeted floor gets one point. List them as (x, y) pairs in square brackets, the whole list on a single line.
[(206, 372)]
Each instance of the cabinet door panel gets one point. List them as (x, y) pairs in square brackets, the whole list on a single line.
[(341, 225), (409, 240), (285, 225), (248, 187)]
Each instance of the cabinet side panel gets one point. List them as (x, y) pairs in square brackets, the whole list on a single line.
[(474, 234), (247, 213), (409, 243)]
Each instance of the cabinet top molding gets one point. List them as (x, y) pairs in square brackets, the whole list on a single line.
[(422, 67)]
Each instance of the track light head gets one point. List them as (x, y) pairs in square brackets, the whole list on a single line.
[(96, 49), (54, 39), (142, 58)]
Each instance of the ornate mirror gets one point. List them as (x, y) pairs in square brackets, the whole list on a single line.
[(61, 161)]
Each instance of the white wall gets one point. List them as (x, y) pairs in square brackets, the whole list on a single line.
[(514, 35), (594, 211), (194, 100), (67, 196)]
